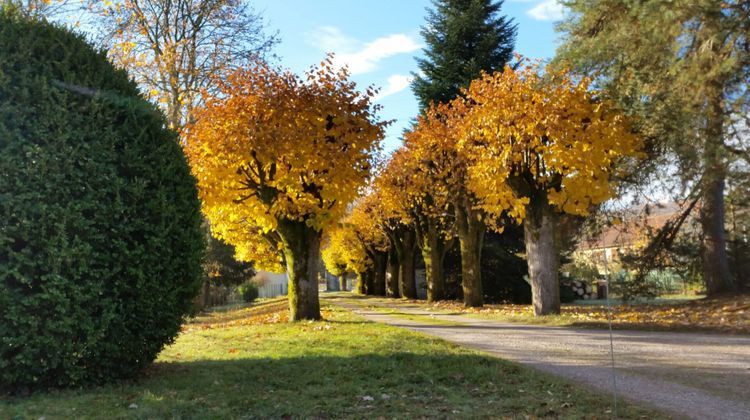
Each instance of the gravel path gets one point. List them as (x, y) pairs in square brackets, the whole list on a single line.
[(690, 375)]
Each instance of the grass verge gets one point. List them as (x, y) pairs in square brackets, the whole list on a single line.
[(250, 363), (729, 314)]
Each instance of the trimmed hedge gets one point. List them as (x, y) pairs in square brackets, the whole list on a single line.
[(100, 238)]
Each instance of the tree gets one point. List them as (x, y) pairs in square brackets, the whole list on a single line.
[(175, 49), (359, 246), (407, 190), (221, 267), (368, 231), (99, 216), (394, 212), (540, 147), (344, 253), (683, 68), (277, 159), (464, 38), (434, 141), (35, 8)]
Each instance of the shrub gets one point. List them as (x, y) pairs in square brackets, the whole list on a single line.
[(567, 295), (629, 287), (100, 239), (248, 291), (664, 281)]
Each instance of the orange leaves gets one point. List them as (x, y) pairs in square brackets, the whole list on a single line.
[(528, 131), (273, 146), (352, 244), (731, 314)]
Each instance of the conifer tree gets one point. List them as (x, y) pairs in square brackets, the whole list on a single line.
[(464, 38), (683, 68)]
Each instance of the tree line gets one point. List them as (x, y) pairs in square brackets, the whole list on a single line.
[(635, 90)]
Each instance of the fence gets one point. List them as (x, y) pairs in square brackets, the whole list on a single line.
[(272, 289)]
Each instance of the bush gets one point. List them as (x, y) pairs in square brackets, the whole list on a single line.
[(631, 287), (664, 281), (100, 239), (567, 295), (248, 291)]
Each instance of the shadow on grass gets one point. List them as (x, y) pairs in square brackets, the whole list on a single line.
[(401, 384)]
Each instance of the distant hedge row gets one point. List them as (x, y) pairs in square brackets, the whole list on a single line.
[(100, 239)]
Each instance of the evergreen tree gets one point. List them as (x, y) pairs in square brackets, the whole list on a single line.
[(682, 67), (464, 38)]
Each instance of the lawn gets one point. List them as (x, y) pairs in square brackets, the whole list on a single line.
[(251, 363), (726, 314)]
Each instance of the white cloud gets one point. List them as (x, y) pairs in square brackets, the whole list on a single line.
[(396, 83), (547, 10), (358, 56), (331, 39)]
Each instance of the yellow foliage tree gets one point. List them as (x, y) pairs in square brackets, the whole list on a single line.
[(443, 170), (542, 144), (341, 254), (359, 246), (408, 192), (278, 158)]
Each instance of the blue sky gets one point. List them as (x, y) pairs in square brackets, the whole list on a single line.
[(379, 39)]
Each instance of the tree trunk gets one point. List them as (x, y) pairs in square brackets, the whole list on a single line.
[(301, 245), (716, 271), (540, 228), (362, 283), (470, 236), (407, 279), (371, 274), (378, 281), (391, 287), (206, 294), (342, 283), (432, 247)]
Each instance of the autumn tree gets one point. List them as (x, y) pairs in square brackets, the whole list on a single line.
[(463, 39), (333, 257), (396, 211), (369, 231), (344, 253), (407, 190), (358, 245), (175, 49), (683, 68), (277, 158), (434, 141), (541, 146)]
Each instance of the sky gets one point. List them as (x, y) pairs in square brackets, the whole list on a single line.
[(379, 39)]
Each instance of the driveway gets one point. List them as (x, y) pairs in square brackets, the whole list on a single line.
[(690, 375)]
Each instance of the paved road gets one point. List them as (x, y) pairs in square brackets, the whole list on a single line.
[(690, 375)]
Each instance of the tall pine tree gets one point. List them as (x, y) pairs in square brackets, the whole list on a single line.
[(683, 68), (464, 38)]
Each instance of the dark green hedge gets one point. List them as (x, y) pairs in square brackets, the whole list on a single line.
[(100, 239)]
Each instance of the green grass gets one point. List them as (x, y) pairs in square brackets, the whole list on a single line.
[(240, 364)]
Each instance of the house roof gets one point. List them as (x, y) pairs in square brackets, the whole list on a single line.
[(638, 223)]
